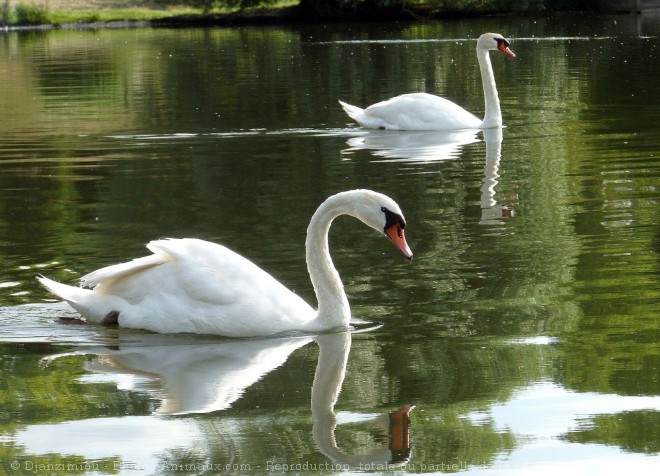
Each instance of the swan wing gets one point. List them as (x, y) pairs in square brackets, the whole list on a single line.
[(121, 270), (191, 285), (421, 111)]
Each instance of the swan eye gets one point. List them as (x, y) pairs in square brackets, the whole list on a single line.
[(392, 218)]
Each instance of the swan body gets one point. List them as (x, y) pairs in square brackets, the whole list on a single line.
[(422, 111), (195, 286)]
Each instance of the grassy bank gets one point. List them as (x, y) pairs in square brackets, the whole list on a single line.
[(59, 12), (54, 12)]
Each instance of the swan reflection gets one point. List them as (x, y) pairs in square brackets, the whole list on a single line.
[(330, 373), (189, 377), (424, 147), (491, 211), (420, 147), (186, 376)]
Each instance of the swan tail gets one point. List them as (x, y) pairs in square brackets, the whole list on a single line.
[(353, 112), (363, 118), (93, 307), (70, 294)]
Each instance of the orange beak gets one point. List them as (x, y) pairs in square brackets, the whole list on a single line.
[(505, 49), (395, 233)]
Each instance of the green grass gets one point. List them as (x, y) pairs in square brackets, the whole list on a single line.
[(28, 14), (59, 17)]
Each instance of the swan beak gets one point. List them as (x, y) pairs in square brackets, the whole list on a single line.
[(395, 233), (505, 49)]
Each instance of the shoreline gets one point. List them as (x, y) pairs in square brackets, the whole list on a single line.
[(293, 15)]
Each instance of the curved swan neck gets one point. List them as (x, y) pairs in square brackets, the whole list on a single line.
[(493, 114), (333, 309)]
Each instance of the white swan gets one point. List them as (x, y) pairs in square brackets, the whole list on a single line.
[(422, 111), (195, 286)]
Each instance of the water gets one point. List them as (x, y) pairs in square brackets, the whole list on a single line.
[(525, 331)]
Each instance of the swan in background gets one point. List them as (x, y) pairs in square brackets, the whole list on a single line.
[(422, 111), (194, 286)]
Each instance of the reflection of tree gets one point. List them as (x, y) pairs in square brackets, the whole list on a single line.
[(272, 416), (32, 396), (636, 431), (449, 381), (567, 264)]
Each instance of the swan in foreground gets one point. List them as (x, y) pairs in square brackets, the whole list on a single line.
[(422, 111), (195, 286)]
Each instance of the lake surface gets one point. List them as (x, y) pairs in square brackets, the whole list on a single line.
[(525, 332)]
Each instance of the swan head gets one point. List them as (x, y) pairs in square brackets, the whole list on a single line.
[(383, 214), (494, 41)]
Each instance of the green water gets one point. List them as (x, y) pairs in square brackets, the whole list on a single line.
[(525, 331)]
